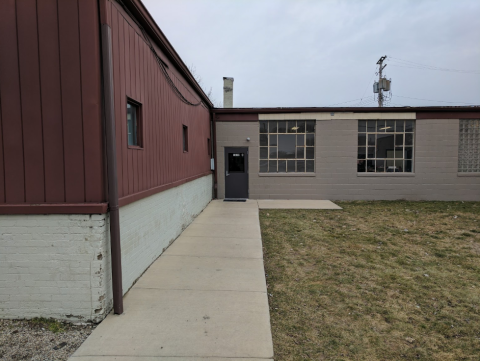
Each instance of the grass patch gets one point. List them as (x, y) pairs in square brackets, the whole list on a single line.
[(374, 281), (48, 324)]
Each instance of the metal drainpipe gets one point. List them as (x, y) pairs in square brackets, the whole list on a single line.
[(215, 185), (116, 257)]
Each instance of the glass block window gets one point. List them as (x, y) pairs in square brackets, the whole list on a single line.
[(469, 146), (287, 146), (385, 146)]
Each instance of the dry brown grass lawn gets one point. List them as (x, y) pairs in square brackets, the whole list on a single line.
[(374, 281)]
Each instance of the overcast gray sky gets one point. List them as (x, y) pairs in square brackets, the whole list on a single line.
[(293, 53)]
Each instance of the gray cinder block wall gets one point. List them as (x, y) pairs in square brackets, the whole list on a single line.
[(336, 177)]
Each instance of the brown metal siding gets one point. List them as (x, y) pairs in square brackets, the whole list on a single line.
[(50, 95), (161, 163)]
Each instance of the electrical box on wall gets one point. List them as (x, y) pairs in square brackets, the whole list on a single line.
[(212, 164)]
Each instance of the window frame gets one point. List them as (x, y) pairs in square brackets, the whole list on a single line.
[(277, 134), (394, 133), (185, 138), (139, 119)]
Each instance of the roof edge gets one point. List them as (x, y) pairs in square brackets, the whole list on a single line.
[(142, 15)]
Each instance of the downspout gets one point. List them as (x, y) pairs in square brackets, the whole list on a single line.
[(109, 110), (215, 185)]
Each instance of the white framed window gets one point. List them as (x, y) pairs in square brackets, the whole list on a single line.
[(386, 146), (134, 124), (469, 146), (287, 146)]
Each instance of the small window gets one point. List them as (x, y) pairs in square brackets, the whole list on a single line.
[(134, 124), (185, 138)]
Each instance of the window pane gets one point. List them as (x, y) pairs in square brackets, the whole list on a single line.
[(399, 152), (381, 126), (399, 126), (408, 166), (263, 140), (236, 162), (300, 152), (263, 166), (370, 166), (310, 165), (309, 152), (362, 140), (273, 152), (286, 146), (300, 139), (263, 127), (408, 125), (362, 126), (282, 166), (408, 152), (362, 152), (272, 166), (390, 126), (272, 127), (300, 166), (371, 139), (408, 138), (310, 126), (132, 124), (385, 143), (291, 126), (282, 126), (380, 166), (361, 166), (310, 140), (390, 166), (371, 152), (371, 125), (398, 165), (263, 153), (273, 140), (398, 139), (301, 126), (290, 166)]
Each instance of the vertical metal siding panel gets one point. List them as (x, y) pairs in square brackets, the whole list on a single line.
[(133, 67), (11, 105), (128, 76), (51, 101), (91, 100), (121, 119), (141, 85), (117, 90), (148, 96), (146, 152), (71, 100), (31, 104)]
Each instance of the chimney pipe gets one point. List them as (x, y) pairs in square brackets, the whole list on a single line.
[(227, 92)]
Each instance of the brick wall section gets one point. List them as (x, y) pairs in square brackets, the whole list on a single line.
[(150, 225), (54, 266), (336, 178), (59, 265)]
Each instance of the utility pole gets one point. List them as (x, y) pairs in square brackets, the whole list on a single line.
[(380, 88)]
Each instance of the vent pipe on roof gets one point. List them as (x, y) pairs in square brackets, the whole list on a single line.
[(227, 92)]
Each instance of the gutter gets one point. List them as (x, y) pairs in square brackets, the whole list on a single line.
[(109, 111)]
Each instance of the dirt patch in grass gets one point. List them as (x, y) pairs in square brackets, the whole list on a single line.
[(374, 281), (40, 339)]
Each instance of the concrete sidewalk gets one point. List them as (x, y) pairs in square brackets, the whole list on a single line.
[(204, 298)]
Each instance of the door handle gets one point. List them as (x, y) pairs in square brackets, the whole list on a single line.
[(227, 174)]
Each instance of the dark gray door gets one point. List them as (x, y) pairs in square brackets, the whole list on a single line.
[(236, 173)]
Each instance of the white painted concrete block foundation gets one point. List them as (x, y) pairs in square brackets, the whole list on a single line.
[(59, 265)]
